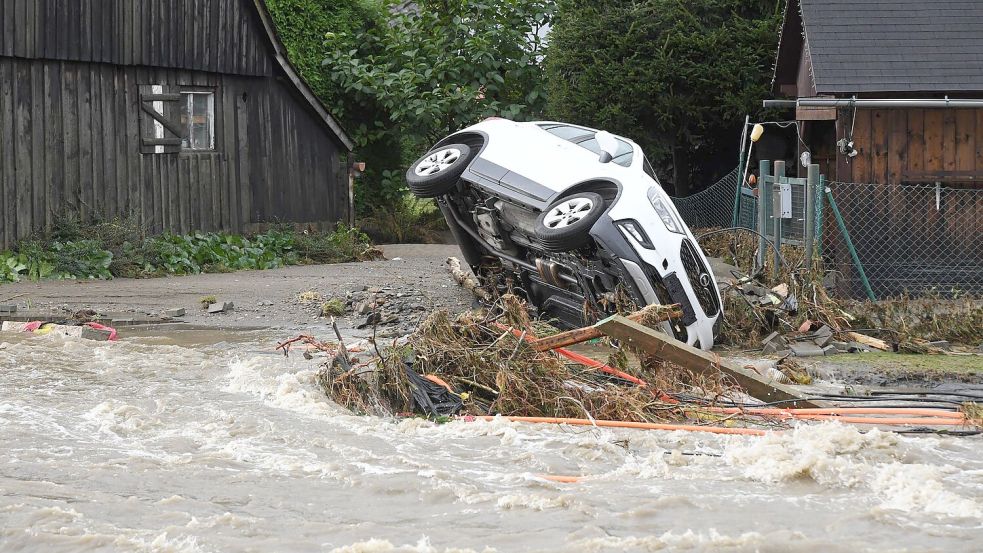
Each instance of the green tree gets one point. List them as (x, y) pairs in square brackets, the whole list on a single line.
[(444, 66), (678, 76)]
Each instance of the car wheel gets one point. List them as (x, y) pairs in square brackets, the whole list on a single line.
[(565, 225), (436, 173)]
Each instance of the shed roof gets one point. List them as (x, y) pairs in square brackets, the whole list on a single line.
[(859, 46)]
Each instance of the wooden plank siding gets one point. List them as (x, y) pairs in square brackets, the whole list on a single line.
[(75, 149), (912, 146), (159, 33)]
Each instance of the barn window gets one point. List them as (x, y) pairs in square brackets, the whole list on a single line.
[(198, 120)]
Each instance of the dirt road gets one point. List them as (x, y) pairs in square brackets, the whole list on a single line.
[(261, 298)]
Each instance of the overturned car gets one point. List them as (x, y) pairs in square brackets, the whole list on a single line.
[(573, 218)]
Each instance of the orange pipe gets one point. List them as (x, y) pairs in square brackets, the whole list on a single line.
[(560, 478), (636, 425), (581, 359), (892, 421), (915, 411)]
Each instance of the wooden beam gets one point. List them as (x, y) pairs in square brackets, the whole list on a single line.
[(674, 351), (579, 335)]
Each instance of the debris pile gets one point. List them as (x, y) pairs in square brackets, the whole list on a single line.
[(479, 363)]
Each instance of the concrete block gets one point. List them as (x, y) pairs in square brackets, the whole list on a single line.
[(773, 337), (842, 347), (6, 309), (122, 322), (830, 350), (824, 336), (220, 307), (176, 312), (806, 349)]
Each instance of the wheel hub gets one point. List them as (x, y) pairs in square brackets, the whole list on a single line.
[(568, 213), (437, 161)]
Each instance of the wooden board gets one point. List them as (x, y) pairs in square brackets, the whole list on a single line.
[(674, 351)]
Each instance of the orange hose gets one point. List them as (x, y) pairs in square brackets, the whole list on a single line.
[(636, 425), (892, 421), (581, 359), (560, 478), (915, 411)]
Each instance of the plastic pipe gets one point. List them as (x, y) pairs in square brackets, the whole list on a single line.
[(628, 424)]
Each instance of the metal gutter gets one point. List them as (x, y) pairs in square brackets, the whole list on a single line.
[(875, 103)]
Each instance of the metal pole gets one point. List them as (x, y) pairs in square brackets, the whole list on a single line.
[(776, 213), (741, 164), (819, 215), (812, 181), (849, 245), (764, 178)]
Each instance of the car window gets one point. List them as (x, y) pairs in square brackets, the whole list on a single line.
[(622, 156), (647, 167), (567, 132)]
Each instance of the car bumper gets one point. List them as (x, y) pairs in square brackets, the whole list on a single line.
[(668, 272)]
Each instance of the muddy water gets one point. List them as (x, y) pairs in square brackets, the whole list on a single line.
[(183, 444)]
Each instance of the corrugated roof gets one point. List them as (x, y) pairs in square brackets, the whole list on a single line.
[(895, 45)]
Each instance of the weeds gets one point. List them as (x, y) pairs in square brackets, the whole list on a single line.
[(410, 219), (120, 248)]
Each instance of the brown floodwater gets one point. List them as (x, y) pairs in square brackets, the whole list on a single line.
[(210, 442)]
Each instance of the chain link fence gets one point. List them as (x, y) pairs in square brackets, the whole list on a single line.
[(905, 239), (712, 207), (908, 239)]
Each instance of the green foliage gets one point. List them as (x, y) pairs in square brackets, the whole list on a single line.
[(75, 257), (676, 76), (409, 219), (443, 68)]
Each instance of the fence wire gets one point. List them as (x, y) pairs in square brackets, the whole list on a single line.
[(914, 239), (713, 207)]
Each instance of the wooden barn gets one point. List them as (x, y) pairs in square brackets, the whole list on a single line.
[(888, 97), (185, 114)]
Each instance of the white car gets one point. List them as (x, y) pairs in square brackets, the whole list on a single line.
[(571, 217)]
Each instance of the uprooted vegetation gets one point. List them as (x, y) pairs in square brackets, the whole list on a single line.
[(798, 296), (483, 356)]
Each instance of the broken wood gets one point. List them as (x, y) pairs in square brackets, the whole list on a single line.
[(466, 280), (579, 335), (694, 359), (869, 341)]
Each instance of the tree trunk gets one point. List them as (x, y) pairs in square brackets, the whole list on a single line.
[(681, 171)]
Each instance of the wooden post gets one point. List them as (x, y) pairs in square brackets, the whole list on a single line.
[(764, 173), (578, 335), (672, 350), (776, 215)]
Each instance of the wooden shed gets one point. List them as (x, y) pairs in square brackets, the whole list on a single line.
[(888, 97), (897, 52), (185, 114)]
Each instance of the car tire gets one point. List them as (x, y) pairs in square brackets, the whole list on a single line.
[(565, 225), (437, 172)]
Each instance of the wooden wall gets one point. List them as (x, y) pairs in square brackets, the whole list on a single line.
[(913, 145), (222, 36), (71, 143)]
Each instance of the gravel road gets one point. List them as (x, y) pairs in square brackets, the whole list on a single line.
[(267, 298)]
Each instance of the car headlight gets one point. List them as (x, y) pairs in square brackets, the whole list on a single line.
[(665, 212)]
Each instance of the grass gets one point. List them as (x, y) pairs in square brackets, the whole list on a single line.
[(887, 362)]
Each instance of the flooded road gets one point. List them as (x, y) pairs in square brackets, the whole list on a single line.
[(185, 444)]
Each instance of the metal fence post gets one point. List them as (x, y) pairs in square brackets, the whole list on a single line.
[(776, 213), (741, 164), (812, 181), (764, 171), (820, 194)]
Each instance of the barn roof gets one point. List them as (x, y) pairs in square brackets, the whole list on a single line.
[(859, 46)]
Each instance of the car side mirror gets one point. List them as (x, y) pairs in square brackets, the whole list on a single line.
[(608, 145)]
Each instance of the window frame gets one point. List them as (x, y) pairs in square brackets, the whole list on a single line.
[(188, 94)]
